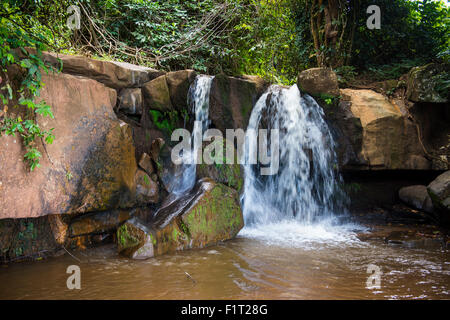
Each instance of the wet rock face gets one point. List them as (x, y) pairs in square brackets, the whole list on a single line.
[(209, 214), (347, 131), (318, 81), (90, 166), (423, 83), (232, 99), (146, 164), (417, 197), (130, 101), (389, 139)]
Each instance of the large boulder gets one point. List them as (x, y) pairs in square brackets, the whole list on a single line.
[(90, 166), (439, 191), (416, 197), (318, 81), (423, 83), (209, 214), (157, 95), (179, 83), (232, 99), (113, 74), (390, 140)]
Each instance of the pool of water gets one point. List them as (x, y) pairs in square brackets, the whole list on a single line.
[(280, 261)]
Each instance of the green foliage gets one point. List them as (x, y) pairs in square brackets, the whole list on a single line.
[(345, 74), (393, 70), (442, 81), (147, 180), (264, 41), (410, 31), (20, 109), (166, 121)]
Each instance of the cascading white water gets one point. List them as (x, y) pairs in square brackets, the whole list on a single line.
[(306, 188), (198, 100)]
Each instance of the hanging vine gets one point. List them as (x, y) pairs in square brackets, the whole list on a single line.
[(20, 85)]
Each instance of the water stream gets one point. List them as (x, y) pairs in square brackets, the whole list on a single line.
[(198, 100), (303, 200)]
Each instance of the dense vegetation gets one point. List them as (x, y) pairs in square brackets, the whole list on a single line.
[(272, 38)]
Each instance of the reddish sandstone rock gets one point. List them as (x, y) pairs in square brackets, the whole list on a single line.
[(156, 95), (113, 74), (146, 163), (179, 83), (390, 139), (91, 164), (147, 190)]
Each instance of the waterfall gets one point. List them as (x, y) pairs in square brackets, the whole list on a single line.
[(306, 188), (198, 101)]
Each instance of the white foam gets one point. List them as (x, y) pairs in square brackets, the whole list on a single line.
[(291, 233)]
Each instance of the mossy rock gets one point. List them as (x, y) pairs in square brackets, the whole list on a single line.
[(211, 213), (424, 83), (226, 171)]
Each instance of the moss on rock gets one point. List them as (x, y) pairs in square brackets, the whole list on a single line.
[(210, 214)]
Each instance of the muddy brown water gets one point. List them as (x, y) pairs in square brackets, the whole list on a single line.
[(287, 262)]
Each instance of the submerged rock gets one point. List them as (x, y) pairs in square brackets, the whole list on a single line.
[(210, 213)]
